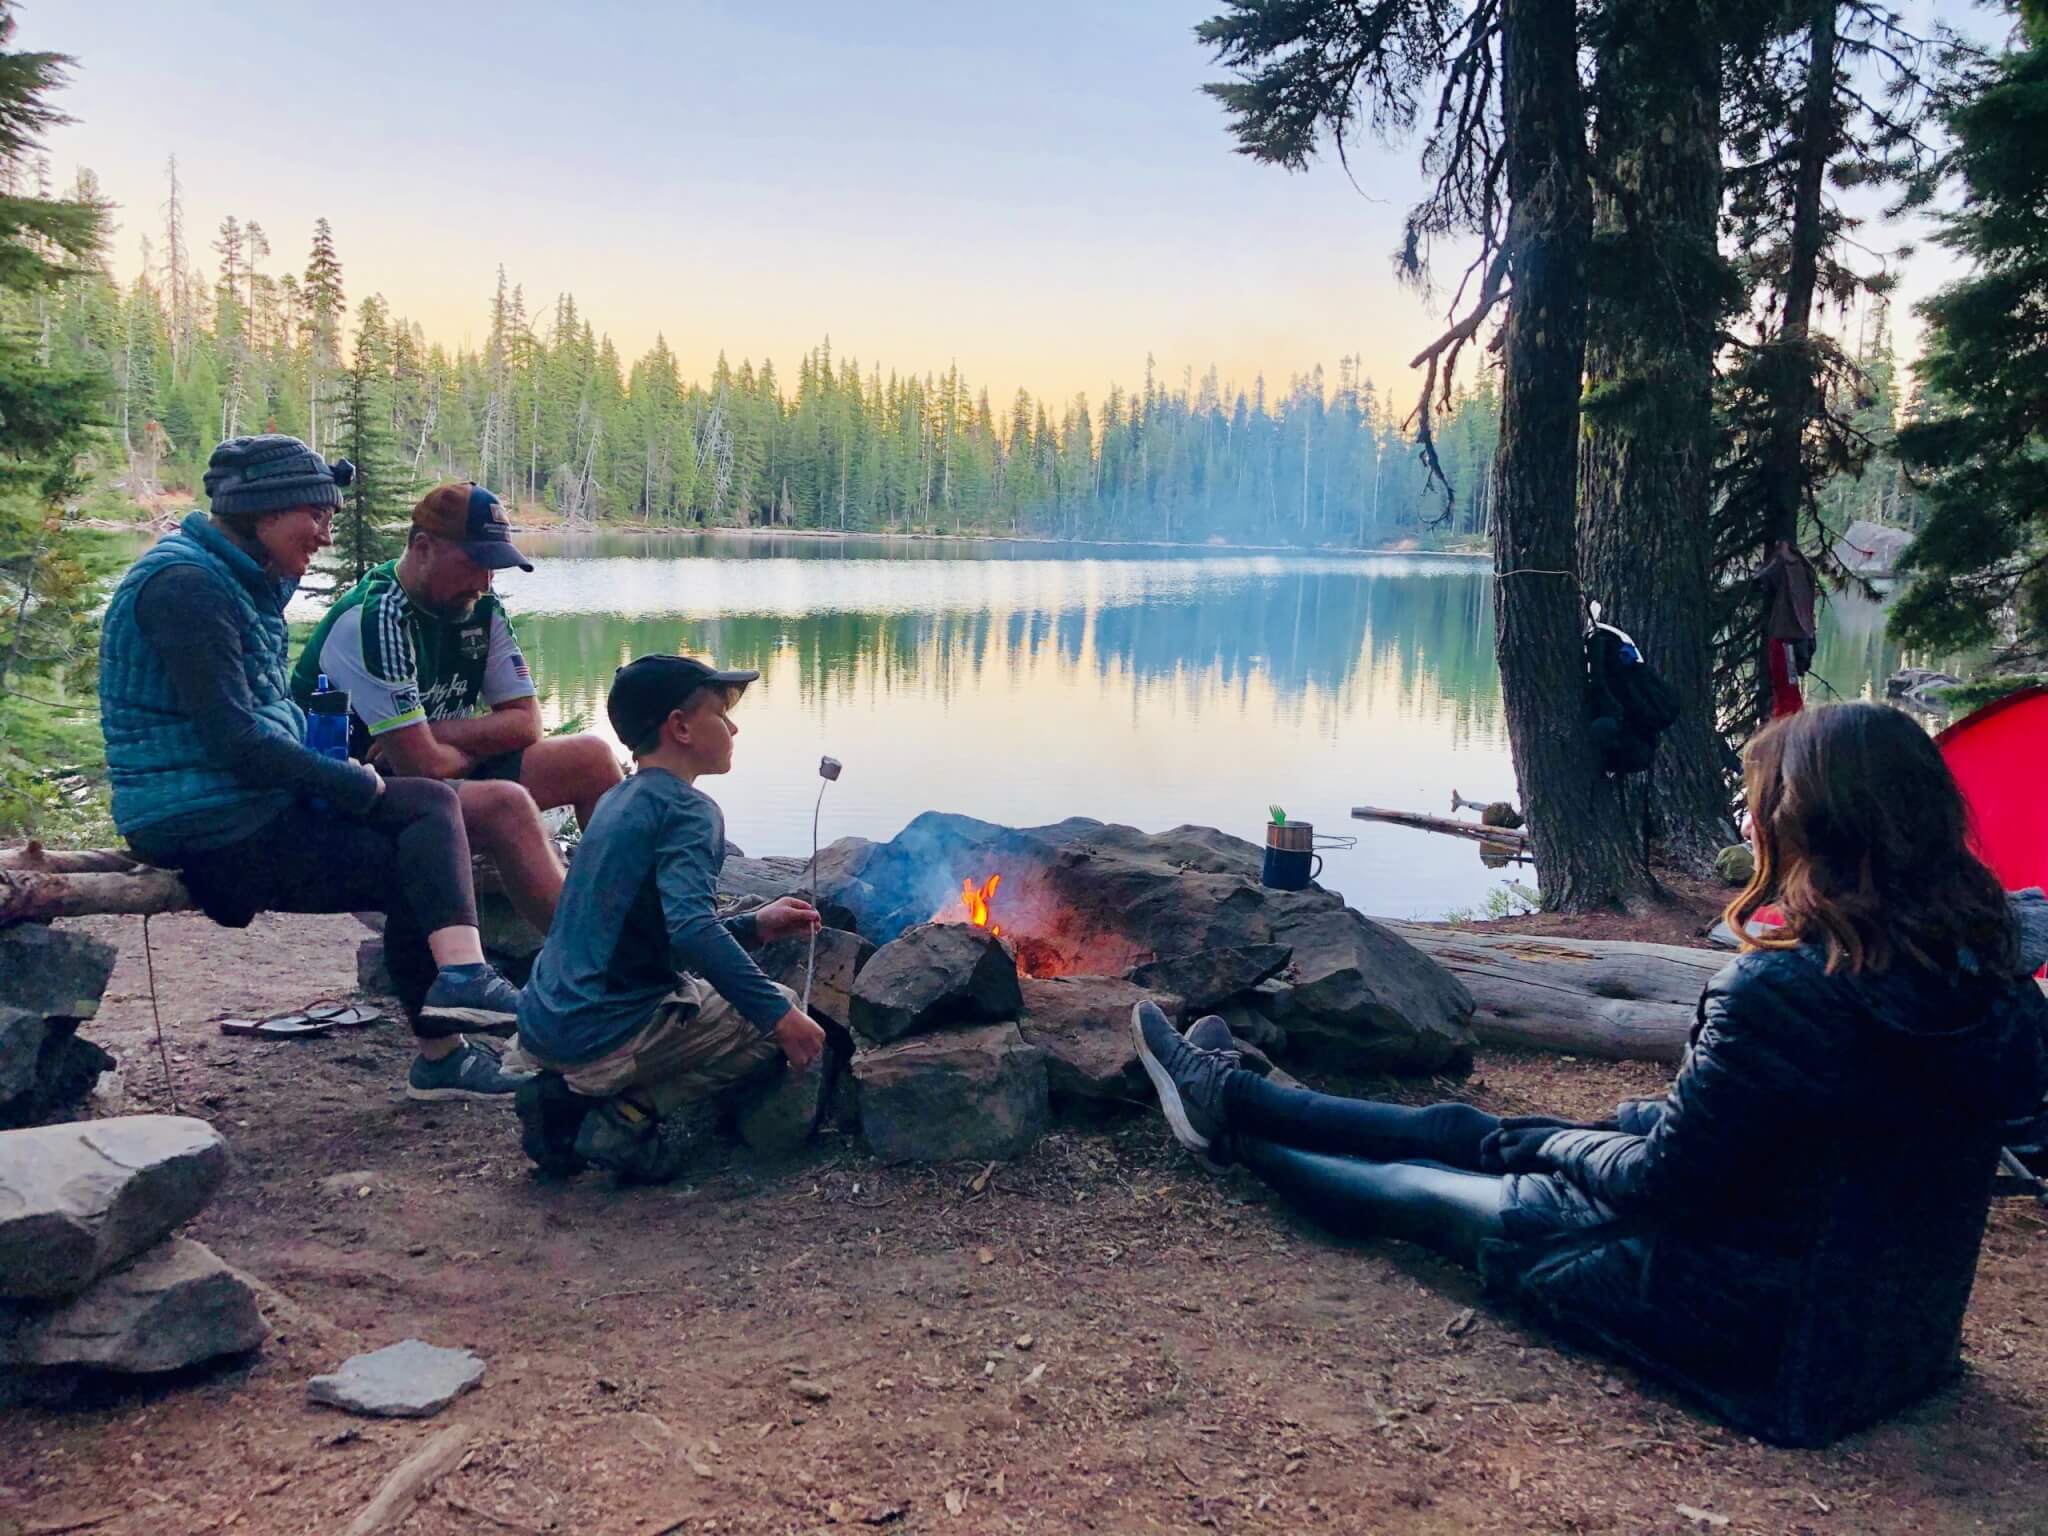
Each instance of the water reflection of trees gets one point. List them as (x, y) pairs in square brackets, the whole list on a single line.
[(1426, 641), (1342, 640)]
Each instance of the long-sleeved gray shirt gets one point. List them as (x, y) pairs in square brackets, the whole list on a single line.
[(182, 614), (637, 913)]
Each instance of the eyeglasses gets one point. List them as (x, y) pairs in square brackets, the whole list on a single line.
[(323, 518)]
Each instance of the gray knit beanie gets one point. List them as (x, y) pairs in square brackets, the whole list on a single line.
[(249, 476)]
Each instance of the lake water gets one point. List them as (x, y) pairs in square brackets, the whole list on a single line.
[(1024, 683)]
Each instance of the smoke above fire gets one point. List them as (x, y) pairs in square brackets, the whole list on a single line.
[(954, 869)]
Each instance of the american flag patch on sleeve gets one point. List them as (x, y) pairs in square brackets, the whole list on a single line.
[(519, 668)]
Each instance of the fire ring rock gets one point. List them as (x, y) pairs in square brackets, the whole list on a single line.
[(1209, 978), (933, 975), (1083, 1024), (964, 1093)]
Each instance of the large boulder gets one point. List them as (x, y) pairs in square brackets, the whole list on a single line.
[(50, 979), (1176, 909), (46, 1067), (175, 1306), (77, 1200), (1357, 997), (1083, 1025), (841, 957), (53, 972), (965, 1093), (934, 975), (1209, 978)]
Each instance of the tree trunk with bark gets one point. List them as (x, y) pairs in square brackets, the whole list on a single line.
[(1660, 289), (1793, 372), (1587, 856)]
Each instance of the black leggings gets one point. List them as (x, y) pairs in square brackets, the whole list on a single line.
[(1363, 1168), (408, 858)]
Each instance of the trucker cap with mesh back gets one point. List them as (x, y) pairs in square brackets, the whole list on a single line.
[(467, 514), (647, 689)]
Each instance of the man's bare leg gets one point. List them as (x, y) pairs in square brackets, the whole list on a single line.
[(569, 770), (504, 824)]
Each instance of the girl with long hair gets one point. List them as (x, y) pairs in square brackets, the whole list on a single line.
[(1791, 1233)]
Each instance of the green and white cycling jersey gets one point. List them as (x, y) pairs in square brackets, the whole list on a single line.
[(401, 664)]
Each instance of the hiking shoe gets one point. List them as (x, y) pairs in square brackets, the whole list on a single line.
[(471, 997), (628, 1140), (1188, 1080), (467, 1072), (550, 1114)]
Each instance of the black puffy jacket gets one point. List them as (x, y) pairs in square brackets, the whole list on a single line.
[(1792, 1232)]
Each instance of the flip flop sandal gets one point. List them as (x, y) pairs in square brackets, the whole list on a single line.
[(341, 1014), (283, 1026), (358, 1013)]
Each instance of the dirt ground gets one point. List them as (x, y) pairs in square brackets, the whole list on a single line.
[(1097, 1338)]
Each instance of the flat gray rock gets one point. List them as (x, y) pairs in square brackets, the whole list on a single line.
[(77, 1200), (408, 1380), (177, 1305)]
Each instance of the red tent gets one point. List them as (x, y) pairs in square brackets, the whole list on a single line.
[(1999, 756)]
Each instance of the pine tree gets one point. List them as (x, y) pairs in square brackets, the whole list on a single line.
[(380, 497), (324, 307), (48, 411), (1978, 571)]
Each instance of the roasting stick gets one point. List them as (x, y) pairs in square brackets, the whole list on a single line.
[(828, 770)]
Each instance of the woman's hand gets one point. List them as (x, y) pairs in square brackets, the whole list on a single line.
[(787, 917), (1517, 1147)]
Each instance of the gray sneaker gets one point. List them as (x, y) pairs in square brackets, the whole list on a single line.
[(485, 1001), (467, 1072), (1210, 1033), (1188, 1080)]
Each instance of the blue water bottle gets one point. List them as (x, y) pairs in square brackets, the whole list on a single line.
[(327, 721)]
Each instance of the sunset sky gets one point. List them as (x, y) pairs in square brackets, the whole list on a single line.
[(1039, 194)]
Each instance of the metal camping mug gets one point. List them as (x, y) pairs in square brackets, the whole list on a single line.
[(1291, 862)]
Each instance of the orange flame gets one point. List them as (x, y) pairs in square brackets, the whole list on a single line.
[(975, 898)]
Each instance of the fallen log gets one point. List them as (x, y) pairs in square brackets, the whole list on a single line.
[(68, 861), (42, 896), (1586, 997), (1478, 832)]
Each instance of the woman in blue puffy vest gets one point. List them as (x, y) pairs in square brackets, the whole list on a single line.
[(212, 775), (1791, 1233)]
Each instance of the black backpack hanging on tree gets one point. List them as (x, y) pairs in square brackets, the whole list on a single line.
[(1628, 705)]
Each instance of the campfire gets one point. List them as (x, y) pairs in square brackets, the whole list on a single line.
[(1037, 928), (975, 899)]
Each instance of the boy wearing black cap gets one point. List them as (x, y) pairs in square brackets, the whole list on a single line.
[(439, 689), (642, 998)]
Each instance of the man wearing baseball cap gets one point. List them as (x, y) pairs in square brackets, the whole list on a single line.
[(438, 689), (643, 1000)]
